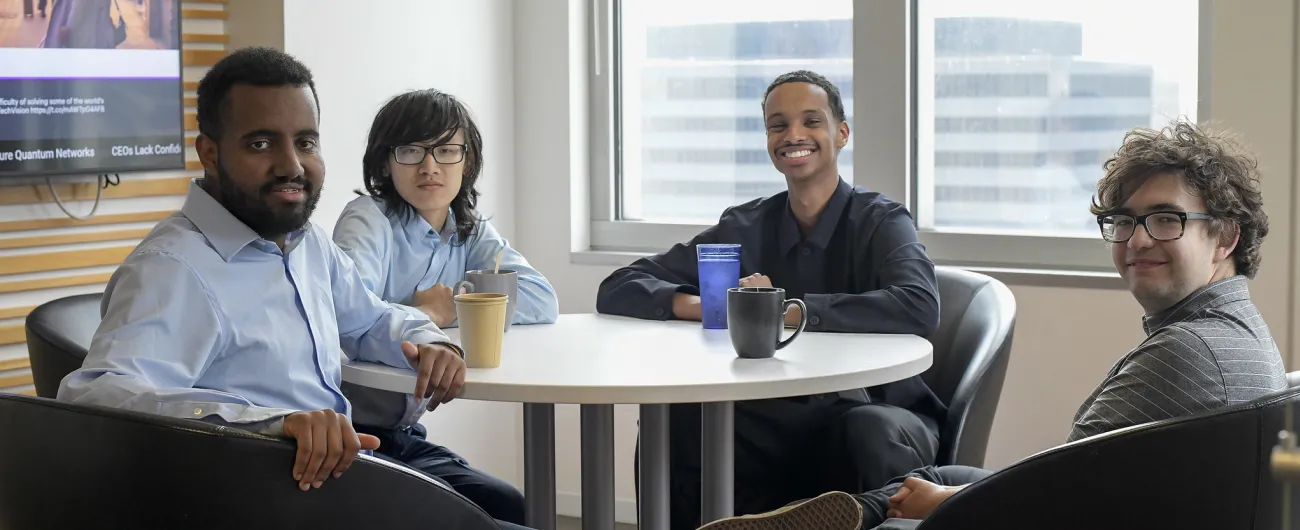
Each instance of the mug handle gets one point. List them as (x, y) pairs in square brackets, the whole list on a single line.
[(803, 320), (469, 287)]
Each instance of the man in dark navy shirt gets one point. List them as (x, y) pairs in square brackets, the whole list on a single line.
[(853, 257)]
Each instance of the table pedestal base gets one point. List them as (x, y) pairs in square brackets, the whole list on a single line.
[(717, 461), (653, 504), (597, 467), (539, 465)]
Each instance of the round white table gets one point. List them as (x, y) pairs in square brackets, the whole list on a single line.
[(598, 361)]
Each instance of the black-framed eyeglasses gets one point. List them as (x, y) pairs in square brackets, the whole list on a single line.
[(410, 155), (1162, 226)]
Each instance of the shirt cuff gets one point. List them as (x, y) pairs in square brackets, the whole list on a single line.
[(816, 307)]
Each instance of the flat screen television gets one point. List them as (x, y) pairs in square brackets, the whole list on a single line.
[(90, 87)]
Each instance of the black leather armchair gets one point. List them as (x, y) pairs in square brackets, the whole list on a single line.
[(74, 466), (1208, 471), (58, 338), (977, 316)]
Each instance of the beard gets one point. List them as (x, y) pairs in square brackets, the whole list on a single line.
[(269, 220)]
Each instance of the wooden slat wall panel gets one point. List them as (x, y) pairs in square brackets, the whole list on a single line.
[(205, 38), (210, 14), (86, 191), (15, 312), (64, 222), (58, 261), (18, 286), (66, 239), (201, 57), (12, 334), (15, 364), (210, 49), (16, 380)]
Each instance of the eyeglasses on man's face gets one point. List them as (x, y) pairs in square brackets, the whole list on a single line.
[(1162, 226), (411, 155)]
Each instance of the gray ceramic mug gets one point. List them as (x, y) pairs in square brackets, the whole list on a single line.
[(484, 281)]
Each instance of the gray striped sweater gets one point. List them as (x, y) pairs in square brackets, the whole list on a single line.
[(1210, 350)]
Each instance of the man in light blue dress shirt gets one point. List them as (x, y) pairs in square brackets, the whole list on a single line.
[(236, 310), (416, 229)]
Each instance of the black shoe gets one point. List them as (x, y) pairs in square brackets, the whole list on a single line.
[(831, 511)]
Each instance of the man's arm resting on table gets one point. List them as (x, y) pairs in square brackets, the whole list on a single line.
[(662, 286), (908, 302), (159, 332)]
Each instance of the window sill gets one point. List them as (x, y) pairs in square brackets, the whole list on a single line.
[(611, 258), (1014, 277)]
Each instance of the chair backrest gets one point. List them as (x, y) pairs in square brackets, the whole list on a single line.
[(58, 337), (977, 316), (73, 466), (1208, 471)]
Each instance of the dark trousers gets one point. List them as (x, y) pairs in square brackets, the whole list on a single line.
[(797, 448), (875, 503), (410, 448)]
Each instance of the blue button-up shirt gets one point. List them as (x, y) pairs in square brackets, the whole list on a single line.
[(206, 320), (397, 257)]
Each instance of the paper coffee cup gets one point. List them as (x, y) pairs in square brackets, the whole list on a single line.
[(482, 319)]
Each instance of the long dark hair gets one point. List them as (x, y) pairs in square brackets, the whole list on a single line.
[(419, 116)]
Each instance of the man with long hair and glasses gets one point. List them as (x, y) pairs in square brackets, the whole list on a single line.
[(413, 234), (1182, 215)]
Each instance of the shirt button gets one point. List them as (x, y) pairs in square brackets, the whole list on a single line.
[(659, 312), (805, 251), (814, 321)]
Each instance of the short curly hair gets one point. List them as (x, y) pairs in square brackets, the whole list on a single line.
[(1214, 166), (257, 66)]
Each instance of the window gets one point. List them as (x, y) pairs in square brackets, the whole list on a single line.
[(691, 78), (1019, 103), (990, 119)]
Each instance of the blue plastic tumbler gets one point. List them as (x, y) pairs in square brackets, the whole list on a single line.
[(719, 271)]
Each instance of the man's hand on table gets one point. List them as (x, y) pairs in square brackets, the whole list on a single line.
[(687, 307), (440, 372), (327, 445), (792, 317), (438, 302)]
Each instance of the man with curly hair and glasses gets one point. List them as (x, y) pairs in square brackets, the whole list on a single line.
[(1182, 215)]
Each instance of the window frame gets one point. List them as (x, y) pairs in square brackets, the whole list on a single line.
[(884, 159)]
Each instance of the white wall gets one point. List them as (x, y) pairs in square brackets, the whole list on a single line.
[(362, 53), (1067, 336)]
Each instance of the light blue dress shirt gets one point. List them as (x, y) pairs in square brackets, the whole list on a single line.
[(206, 320), (397, 258)]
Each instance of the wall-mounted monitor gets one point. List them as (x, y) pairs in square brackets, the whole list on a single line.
[(90, 87)]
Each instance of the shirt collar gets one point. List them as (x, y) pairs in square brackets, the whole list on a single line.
[(417, 229), (227, 234), (1216, 294), (224, 231), (788, 234)]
